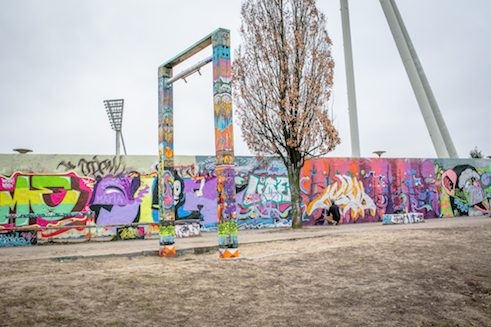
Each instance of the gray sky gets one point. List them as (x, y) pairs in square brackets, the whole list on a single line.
[(60, 59)]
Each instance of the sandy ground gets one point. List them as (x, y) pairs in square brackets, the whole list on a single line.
[(431, 274)]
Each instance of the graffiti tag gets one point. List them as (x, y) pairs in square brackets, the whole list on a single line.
[(95, 167)]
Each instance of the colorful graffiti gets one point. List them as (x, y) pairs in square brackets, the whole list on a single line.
[(403, 218), (130, 233), (187, 230), (166, 210), (465, 188), (262, 193), (348, 193), (364, 189), (124, 199), (55, 201), (175, 198), (41, 194), (171, 189), (25, 238), (224, 144)]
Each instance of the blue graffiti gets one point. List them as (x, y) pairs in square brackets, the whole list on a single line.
[(18, 239)]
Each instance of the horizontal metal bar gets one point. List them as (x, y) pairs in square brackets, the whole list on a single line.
[(192, 50), (185, 73)]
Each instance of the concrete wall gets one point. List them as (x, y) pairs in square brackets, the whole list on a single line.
[(124, 191)]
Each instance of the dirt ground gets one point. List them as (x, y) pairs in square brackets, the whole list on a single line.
[(371, 277)]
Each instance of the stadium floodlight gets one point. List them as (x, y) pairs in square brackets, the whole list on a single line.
[(114, 110)]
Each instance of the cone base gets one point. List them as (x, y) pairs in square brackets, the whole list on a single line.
[(167, 251), (228, 253)]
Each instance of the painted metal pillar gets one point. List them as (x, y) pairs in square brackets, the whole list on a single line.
[(426, 85), (415, 80), (350, 80), (166, 170), (224, 145)]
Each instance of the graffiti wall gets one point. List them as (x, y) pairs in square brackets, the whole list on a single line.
[(366, 189), (125, 192), (464, 187)]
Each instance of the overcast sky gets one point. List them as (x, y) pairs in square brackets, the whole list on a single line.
[(59, 59)]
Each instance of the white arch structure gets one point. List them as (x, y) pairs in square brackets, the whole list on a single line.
[(439, 134)]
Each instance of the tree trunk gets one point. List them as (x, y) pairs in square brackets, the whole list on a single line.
[(296, 199)]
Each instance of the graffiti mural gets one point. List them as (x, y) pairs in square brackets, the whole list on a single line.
[(130, 233), (18, 238), (175, 198), (413, 187), (42, 194), (125, 199), (465, 188), (364, 189), (349, 194), (187, 230), (403, 218), (262, 193), (269, 195)]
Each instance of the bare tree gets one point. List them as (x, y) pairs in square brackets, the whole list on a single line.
[(476, 153), (283, 76)]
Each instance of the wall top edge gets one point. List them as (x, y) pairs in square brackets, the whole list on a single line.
[(45, 155)]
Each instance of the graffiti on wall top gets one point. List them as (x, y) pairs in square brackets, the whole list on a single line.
[(95, 167)]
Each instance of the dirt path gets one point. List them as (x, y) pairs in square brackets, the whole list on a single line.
[(209, 239), (419, 275)]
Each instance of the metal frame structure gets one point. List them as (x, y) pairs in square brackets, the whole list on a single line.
[(435, 123), (350, 80), (114, 110), (439, 134), (224, 145)]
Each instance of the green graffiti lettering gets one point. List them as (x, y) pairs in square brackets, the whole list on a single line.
[(40, 195)]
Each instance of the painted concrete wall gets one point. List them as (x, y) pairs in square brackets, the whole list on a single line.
[(125, 191)]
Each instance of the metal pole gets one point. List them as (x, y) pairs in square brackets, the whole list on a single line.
[(417, 85), (124, 146), (350, 80), (118, 146), (426, 85), (195, 68)]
